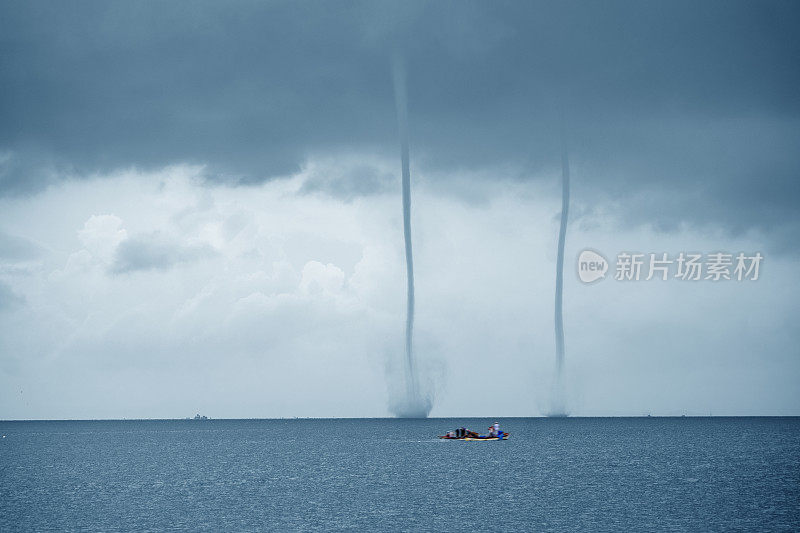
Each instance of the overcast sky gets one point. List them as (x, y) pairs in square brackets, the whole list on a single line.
[(200, 206)]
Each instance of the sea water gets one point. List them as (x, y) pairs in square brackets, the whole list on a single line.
[(623, 474)]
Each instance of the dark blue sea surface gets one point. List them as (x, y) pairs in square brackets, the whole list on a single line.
[(574, 474)]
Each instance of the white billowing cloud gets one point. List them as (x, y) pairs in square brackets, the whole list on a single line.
[(107, 243), (316, 278), (101, 234), (267, 301), (183, 281)]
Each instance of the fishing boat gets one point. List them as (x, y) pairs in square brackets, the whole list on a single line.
[(466, 434), (480, 437)]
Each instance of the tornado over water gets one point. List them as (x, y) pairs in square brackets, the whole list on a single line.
[(558, 407), (401, 102), (414, 405)]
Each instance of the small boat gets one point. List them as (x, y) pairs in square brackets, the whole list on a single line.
[(480, 437), (465, 434)]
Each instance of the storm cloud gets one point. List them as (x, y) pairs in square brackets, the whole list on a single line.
[(15, 249), (152, 252), (8, 298), (199, 205), (690, 108)]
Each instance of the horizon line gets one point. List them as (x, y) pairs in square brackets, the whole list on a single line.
[(210, 419)]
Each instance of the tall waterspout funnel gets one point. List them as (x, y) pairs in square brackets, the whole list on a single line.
[(558, 405), (415, 404)]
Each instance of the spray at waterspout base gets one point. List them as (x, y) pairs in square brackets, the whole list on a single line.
[(415, 407), (558, 397)]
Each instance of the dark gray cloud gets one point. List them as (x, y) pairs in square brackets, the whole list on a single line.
[(154, 252), (695, 103), (15, 249), (8, 298), (347, 183)]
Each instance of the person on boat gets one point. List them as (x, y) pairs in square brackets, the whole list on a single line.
[(491, 433), (496, 429)]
